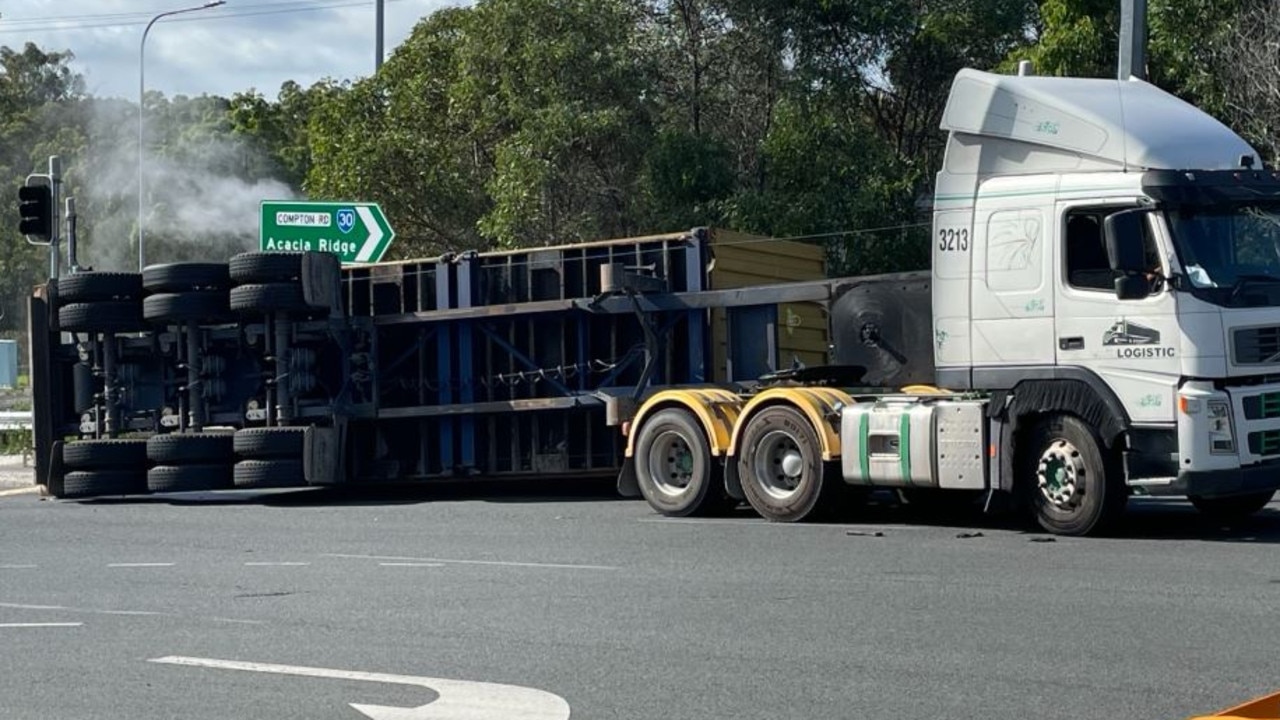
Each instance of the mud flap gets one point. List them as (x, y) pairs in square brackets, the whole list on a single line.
[(322, 282), (628, 482), (321, 456)]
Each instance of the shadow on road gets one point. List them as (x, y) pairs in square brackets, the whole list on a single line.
[(1146, 518)]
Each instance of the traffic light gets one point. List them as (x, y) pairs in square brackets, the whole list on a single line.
[(35, 206)]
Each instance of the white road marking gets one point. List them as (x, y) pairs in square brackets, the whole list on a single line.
[(458, 699), (125, 613), (410, 564), (140, 565), (141, 613), (443, 561), (18, 567), (277, 564), (41, 625)]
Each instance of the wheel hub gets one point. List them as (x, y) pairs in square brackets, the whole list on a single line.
[(779, 465), (673, 465), (1060, 474)]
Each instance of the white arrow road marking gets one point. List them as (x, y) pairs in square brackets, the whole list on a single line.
[(375, 234), (458, 699)]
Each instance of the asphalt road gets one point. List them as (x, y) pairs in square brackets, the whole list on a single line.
[(619, 613)]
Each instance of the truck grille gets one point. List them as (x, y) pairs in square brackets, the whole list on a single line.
[(1257, 346), (1262, 407), (1265, 442)]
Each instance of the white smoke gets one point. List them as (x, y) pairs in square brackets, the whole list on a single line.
[(199, 206)]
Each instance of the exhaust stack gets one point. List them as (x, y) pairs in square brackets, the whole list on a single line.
[(1133, 40)]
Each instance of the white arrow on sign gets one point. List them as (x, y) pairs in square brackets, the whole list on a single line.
[(458, 699), (375, 234)]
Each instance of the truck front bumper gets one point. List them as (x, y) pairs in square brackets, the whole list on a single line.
[(1221, 483)]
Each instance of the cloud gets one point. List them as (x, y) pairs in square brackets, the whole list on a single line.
[(244, 44)]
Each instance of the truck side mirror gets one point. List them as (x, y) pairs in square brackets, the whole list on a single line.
[(1125, 247), (1132, 287)]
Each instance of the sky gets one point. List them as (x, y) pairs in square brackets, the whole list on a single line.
[(242, 45)]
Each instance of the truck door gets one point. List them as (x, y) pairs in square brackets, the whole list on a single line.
[(1131, 345)]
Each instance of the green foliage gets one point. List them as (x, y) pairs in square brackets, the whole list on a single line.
[(511, 123)]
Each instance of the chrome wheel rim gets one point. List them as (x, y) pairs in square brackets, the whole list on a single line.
[(779, 465), (1061, 475), (671, 463)]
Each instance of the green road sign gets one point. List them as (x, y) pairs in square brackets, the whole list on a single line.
[(355, 232)]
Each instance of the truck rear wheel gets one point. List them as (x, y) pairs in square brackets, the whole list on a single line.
[(97, 483), (189, 478), (1234, 507), (1074, 489), (781, 469), (674, 467)]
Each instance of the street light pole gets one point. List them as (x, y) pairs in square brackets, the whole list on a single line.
[(142, 88)]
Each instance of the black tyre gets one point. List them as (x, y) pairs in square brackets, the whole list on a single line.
[(1234, 507), (102, 483), (98, 454), (184, 448), (265, 474), (269, 442), (265, 267), (781, 469), (1074, 487), (111, 316), (674, 466), (202, 307), (91, 286), (189, 478), (185, 277), (268, 298)]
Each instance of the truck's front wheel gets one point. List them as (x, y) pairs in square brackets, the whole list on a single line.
[(1074, 489), (676, 473)]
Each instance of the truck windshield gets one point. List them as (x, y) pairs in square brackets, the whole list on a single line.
[(1226, 251)]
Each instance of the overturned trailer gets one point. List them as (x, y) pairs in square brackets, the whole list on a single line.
[(285, 370)]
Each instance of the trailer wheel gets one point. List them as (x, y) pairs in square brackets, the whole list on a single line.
[(674, 467), (98, 483), (184, 448), (781, 469), (97, 454), (112, 316), (197, 306), (185, 277), (267, 474), (1233, 508), (265, 267), (189, 478), (1074, 489), (268, 298), (269, 442), (91, 286)]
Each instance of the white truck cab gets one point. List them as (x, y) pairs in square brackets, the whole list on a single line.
[(1105, 297), (1105, 249)]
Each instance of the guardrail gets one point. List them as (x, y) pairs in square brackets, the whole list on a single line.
[(18, 421), (15, 420)]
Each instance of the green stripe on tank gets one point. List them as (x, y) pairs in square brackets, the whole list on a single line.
[(904, 446), (864, 435)]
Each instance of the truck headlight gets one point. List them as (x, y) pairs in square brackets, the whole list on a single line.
[(1222, 438)]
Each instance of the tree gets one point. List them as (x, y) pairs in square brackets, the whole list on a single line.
[(1249, 66)]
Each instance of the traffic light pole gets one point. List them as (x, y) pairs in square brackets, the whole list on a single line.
[(55, 183)]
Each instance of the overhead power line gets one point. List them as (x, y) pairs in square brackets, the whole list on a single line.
[(110, 20)]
